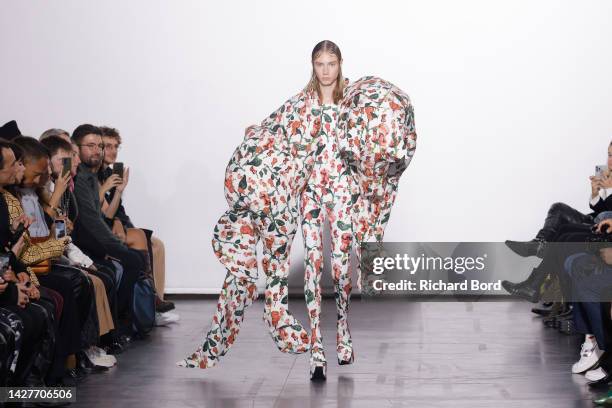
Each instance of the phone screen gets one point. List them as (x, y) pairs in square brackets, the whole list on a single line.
[(60, 229), (118, 169), (4, 263)]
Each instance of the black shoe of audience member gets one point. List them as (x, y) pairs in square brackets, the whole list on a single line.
[(522, 291), (566, 326), (114, 348), (541, 311), (526, 249), (529, 289), (77, 374), (88, 366), (125, 340), (163, 306)]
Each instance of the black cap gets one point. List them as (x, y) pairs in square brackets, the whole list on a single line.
[(9, 130)]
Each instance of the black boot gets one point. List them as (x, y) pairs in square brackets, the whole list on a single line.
[(528, 289), (535, 247)]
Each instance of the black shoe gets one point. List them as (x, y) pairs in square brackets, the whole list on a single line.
[(523, 291), (541, 312), (567, 326), (88, 366), (163, 306), (114, 348), (525, 249), (77, 374), (601, 382)]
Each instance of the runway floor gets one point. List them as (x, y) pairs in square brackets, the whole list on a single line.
[(494, 354)]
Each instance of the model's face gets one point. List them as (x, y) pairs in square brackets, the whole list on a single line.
[(57, 162), (36, 172), (9, 169), (610, 157), (326, 67), (91, 150), (111, 148)]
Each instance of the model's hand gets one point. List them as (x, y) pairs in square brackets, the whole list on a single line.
[(113, 181), (124, 181)]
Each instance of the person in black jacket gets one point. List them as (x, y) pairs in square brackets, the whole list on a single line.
[(91, 233)]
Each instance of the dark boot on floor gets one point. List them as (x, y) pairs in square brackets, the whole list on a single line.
[(528, 289)]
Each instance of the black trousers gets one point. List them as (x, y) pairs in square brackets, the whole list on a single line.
[(560, 215), (34, 322)]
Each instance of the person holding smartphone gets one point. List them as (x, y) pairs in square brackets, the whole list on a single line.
[(562, 218)]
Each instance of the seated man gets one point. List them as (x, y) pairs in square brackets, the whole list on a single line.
[(91, 233), (122, 224)]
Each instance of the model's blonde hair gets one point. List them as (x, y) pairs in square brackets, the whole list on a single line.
[(313, 85)]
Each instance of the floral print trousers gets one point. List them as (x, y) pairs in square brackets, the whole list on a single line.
[(328, 197)]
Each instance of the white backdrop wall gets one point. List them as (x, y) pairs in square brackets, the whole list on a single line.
[(512, 101)]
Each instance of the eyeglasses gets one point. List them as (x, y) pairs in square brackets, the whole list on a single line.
[(93, 146)]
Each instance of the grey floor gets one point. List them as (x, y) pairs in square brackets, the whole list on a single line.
[(407, 355)]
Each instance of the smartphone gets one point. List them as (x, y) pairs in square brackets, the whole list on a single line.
[(599, 170), (118, 169), (4, 264), (17, 234), (60, 229), (66, 166)]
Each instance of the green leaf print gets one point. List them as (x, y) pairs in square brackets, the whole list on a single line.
[(255, 162), (243, 183), (343, 226), (232, 218), (327, 118), (309, 296)]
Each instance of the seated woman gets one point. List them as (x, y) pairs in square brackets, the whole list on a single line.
[(562, 218)]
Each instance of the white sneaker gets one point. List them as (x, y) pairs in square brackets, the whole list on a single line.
[(98, 359), (589, 357), (102, 353), (595, 375), (164, 319)]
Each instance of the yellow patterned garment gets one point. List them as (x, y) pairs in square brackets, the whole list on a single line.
[(32, 253)]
